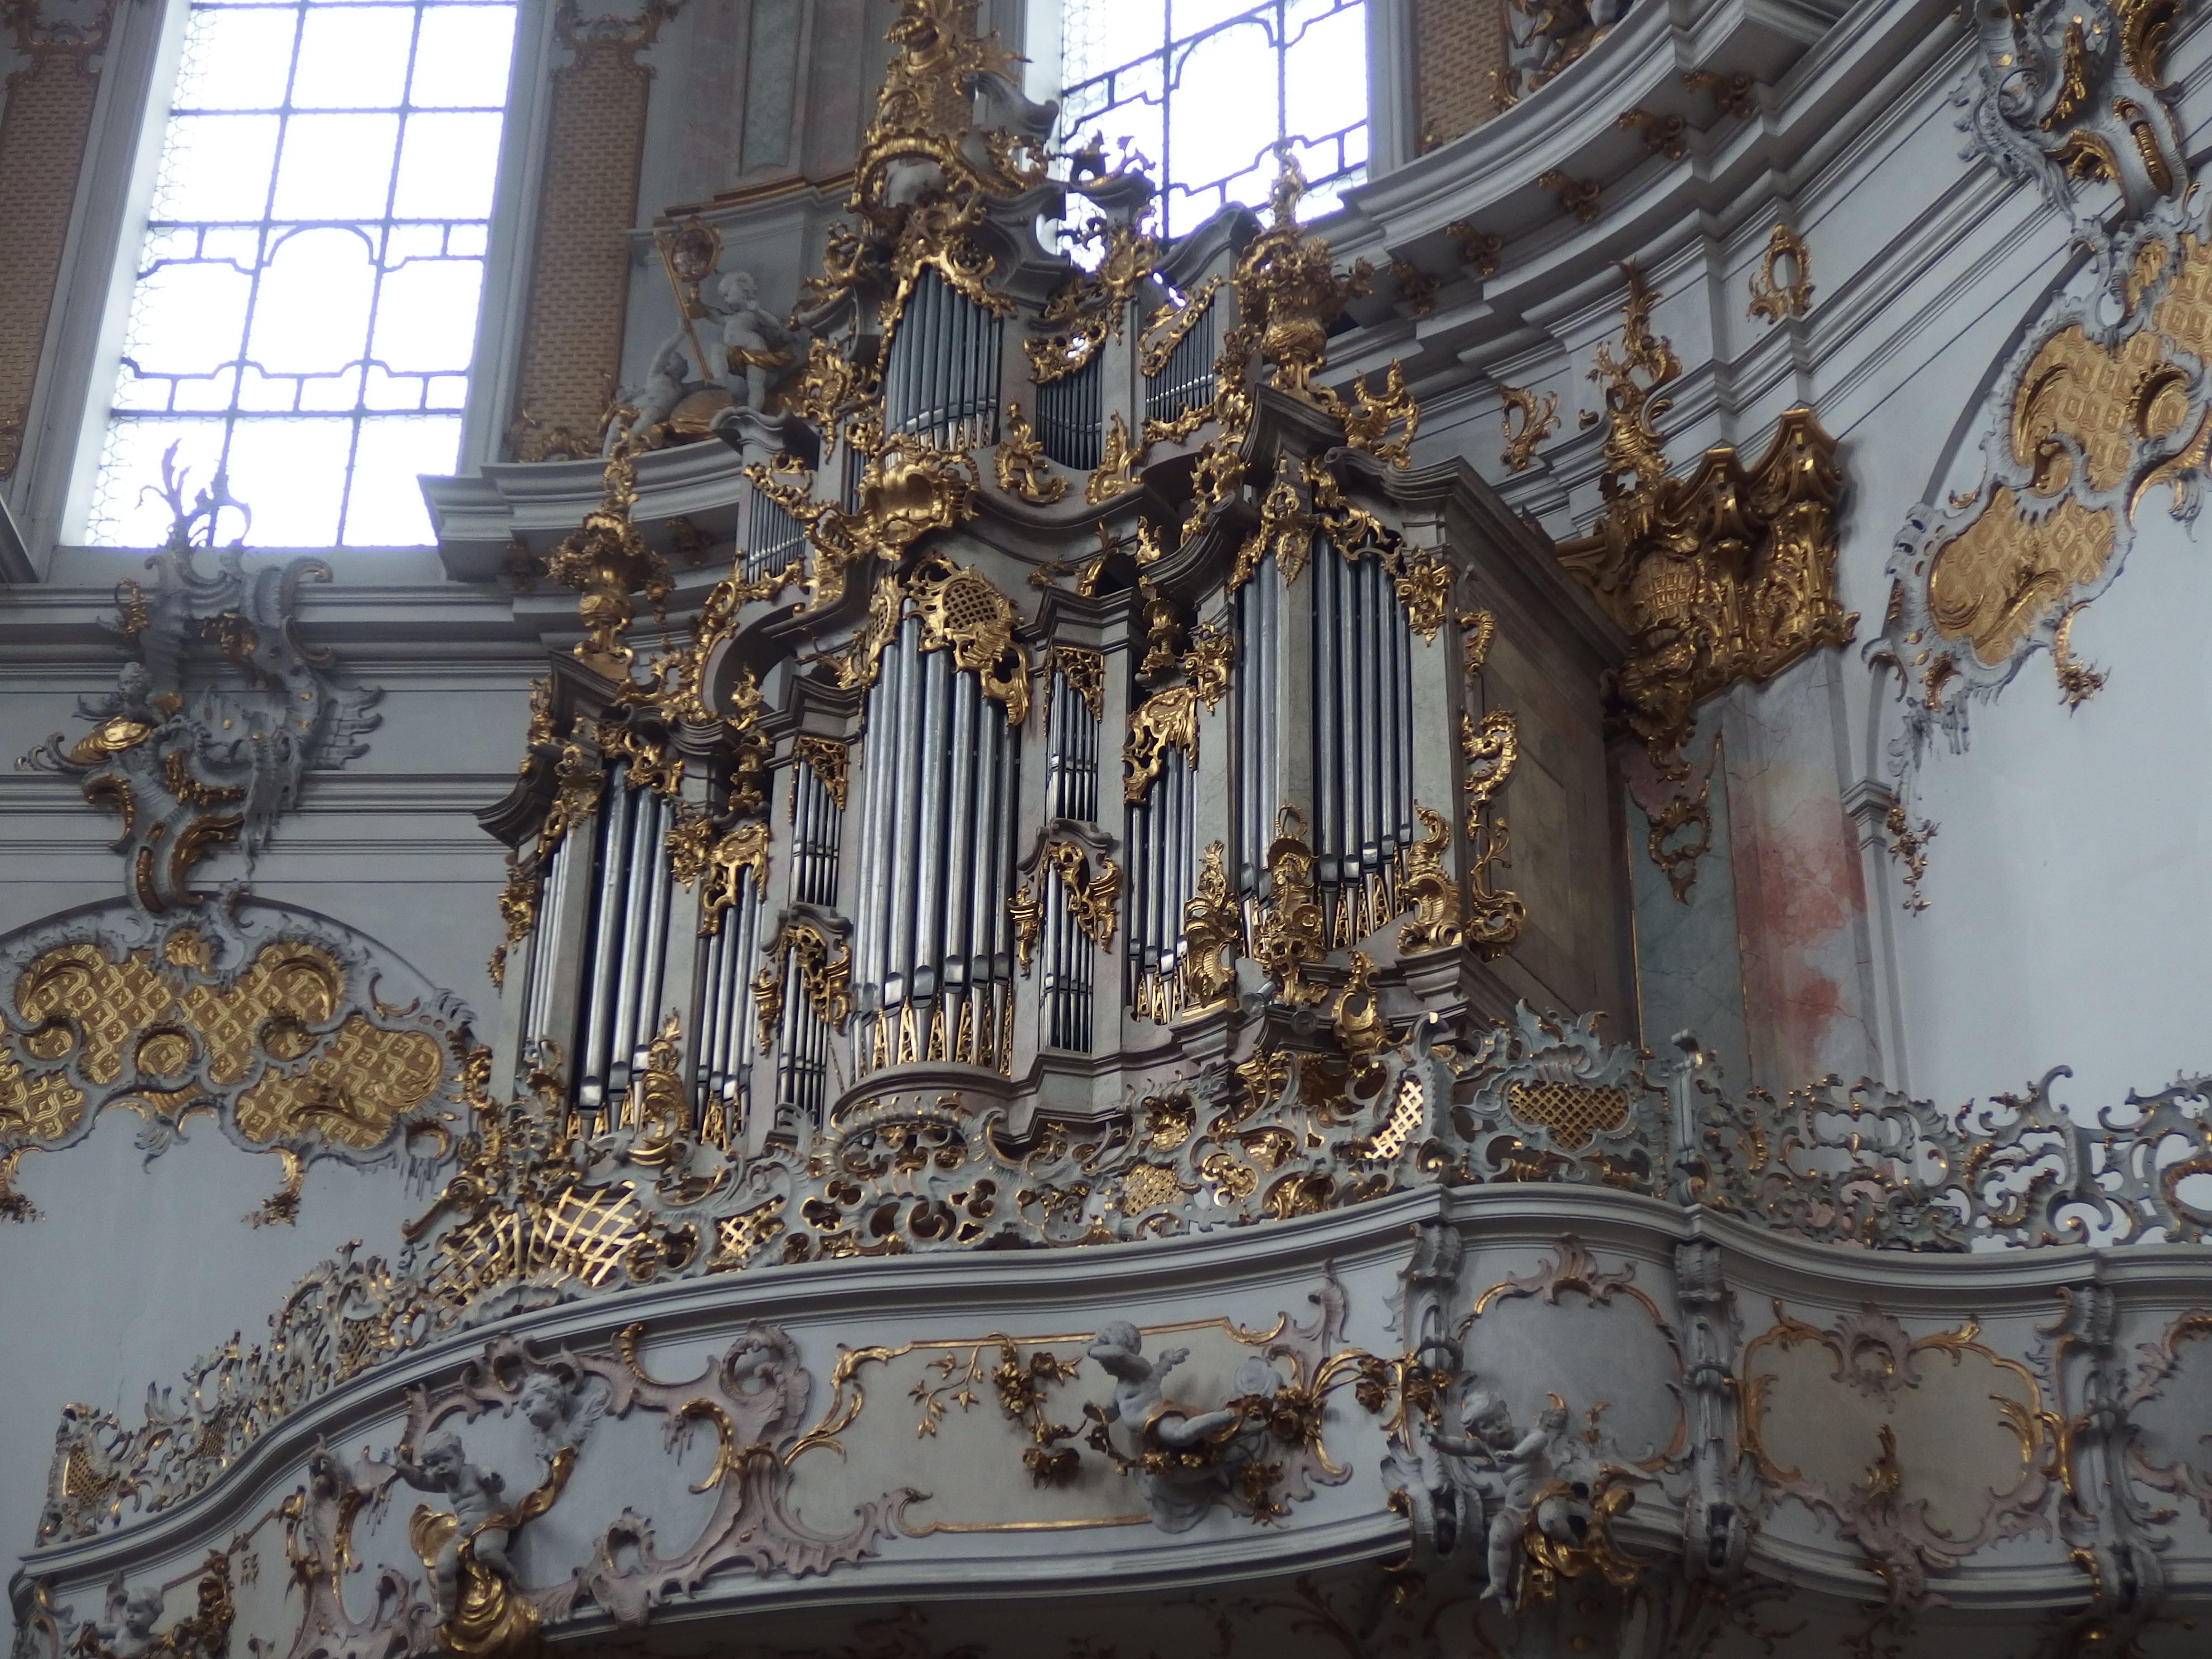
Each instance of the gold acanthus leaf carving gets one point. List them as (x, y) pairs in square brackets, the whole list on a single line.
[(1538, 421), (960, 612), (829, 761), (1434, 924), (1724, 575), (606, 560), (1288, 291), (1026, 911), (1118, 460), (1495, 916), (907, 488), (1084, 670), (825, 975), (1288, 937), (1164, 329), (1022, 468), (1089, 305), (1213, 935), (695, 853), (1383, 425), (1166, 720), (1091, 899)]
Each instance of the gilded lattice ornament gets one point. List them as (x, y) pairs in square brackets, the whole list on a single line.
[(1727, 575), (1538, 420), (278, 1033), (1782, 285), (1023, 468)]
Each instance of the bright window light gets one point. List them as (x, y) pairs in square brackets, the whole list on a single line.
[(306, 300), (1204, 89)]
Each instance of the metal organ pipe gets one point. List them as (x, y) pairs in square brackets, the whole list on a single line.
[(1072, 767), (941, 381), (604, 937), (933, 948), (1256, 689), (1362, 741)]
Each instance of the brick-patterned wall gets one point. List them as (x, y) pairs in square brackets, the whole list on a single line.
[(579, 265), (44, 127), (1459, 50)]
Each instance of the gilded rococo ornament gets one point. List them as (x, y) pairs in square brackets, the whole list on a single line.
[(1727, 575), (220, 716)]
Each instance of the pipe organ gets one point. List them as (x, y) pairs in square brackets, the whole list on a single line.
[(1018, 527)]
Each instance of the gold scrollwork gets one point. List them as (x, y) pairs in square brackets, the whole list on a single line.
[(1089, 308), (1166, 720), (1434, 924), (825, 975), (828, 759), (1084, 670), (606, 560), (1288, 937), (1118, 460), (1678, 858), (1495, 916), (1091, 899), (1213, 935), (1022, 468), (1774, 300), (1724, 575), (1538, 421)]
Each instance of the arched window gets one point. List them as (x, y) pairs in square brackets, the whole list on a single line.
[(304, 306), (1205, 89)]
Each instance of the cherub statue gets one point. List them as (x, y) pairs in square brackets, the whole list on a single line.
[(1180, 1454), (561, 1415), (663, 389), (481, 1523), (1494, 1470), (756, 346), (127, 1630)]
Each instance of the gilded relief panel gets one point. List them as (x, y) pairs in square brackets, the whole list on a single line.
[(280, 1032)]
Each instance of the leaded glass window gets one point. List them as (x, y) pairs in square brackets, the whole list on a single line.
[(1204, 89), (306, 300)]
